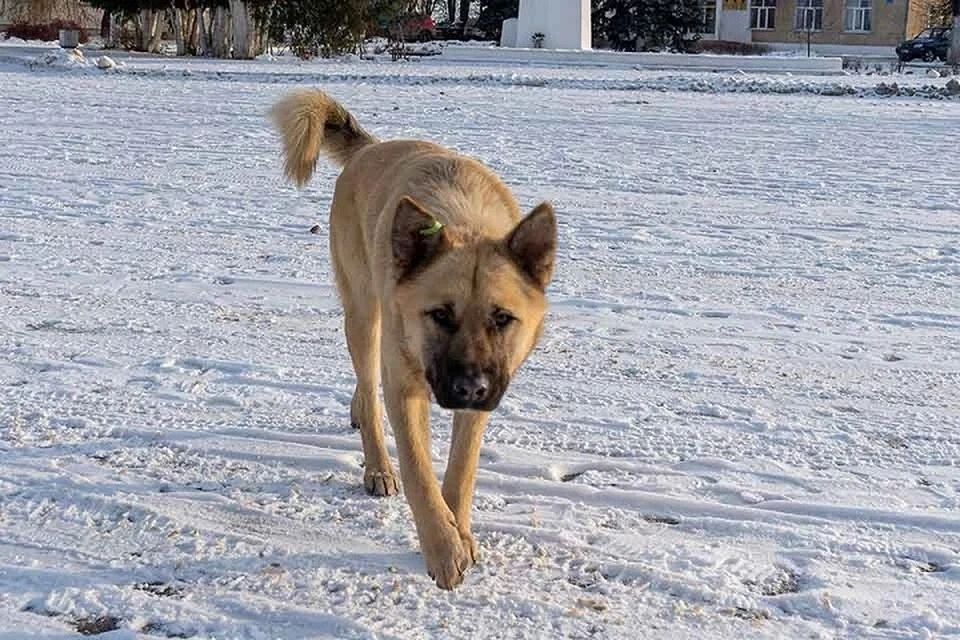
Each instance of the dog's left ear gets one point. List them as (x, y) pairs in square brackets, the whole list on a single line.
[(533, 244), (416, 237)]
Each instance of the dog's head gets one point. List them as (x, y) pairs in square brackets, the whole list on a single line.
[(472, 309)]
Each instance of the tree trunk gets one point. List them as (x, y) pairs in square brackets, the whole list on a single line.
[(464, 12), (176, 18), (240, 21), (156, 33), (953, 55), (247, 42), (220, 33), (452, 11), (204, 32), (148, 31), (116, 26), (191, 30), (140, 25)]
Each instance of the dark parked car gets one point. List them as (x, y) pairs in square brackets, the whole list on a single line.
[(929, 45)]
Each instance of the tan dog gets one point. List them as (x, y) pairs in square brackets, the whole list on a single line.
[(442, 285)]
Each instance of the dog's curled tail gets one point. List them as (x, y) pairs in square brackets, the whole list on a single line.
[(310, 123)]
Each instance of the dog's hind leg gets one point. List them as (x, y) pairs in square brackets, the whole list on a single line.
[(461, 473)]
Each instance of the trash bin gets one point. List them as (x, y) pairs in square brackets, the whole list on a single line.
[(69, 38)]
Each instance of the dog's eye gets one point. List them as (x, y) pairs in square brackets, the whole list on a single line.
[(502, 319), (443, 317)]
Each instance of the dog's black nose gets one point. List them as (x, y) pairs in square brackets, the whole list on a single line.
[(471, 388)]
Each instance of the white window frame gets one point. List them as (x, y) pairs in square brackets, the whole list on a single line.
[(800, 15), (763, 15), (858, 16)]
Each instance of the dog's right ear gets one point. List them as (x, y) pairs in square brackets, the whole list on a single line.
[(416, 238), (533, 244)]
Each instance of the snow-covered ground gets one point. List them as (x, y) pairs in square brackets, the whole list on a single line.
[(743, 420), (502, 68)]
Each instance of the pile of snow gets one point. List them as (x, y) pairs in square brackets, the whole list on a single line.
[(380, 46), (279, 54), (14, 41), (59, 58), (791, 53), (468, 43), (62, 59), (371, 48), (423, 48), (105, 62)]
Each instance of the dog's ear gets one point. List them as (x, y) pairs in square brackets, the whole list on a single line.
[(416, 238), (533, 244)]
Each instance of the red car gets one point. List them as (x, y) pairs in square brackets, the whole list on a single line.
[(420, 28)]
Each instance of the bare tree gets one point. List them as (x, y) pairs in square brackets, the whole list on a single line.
[(935, 13)]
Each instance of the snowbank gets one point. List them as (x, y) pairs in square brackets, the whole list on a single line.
[(14, 41), (62, 59), (71, 59), (380, 46)]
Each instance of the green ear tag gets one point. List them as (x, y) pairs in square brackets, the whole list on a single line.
[(432, 230)]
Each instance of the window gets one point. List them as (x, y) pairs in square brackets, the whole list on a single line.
[(858, 15), (708, 9), (763, 14), (809, 15)]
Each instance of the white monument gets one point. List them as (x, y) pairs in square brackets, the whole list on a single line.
[(563, 24), (508, 34)]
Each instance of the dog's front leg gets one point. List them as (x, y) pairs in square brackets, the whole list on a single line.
[(461, 474), (440, 541)]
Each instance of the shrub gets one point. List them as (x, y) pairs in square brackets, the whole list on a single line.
[(651, 25)]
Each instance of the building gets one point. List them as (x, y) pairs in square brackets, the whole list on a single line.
[(835, 26)]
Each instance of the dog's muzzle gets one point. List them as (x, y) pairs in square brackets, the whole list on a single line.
[(466, 387)]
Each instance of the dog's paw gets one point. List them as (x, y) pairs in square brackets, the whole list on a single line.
[(381, 483), (447, 557), (470, 545)]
